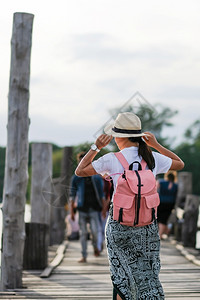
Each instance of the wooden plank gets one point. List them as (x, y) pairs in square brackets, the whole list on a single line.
[(56, 261), (72, 280)]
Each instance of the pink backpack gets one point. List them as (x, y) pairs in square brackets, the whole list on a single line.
[(136, 199)]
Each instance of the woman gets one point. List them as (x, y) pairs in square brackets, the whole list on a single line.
[(133, 252)]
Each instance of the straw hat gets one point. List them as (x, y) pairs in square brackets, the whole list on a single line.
[(126, 124)]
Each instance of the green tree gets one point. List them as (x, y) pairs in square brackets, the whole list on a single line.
[(189, 151), (153, 119)]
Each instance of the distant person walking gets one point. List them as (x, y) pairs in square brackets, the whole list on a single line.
[(167, 191), (72, 226), (89, 193), (133, 252)]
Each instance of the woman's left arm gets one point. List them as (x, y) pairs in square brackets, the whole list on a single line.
[(85, 167)]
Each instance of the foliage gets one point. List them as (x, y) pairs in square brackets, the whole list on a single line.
[(153, 119), (57, 159), (189, 151), (192, 134)]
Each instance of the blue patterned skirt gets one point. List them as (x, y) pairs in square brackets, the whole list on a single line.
[(134, 258)]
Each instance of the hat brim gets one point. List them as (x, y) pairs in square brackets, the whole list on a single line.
[(108, 130)]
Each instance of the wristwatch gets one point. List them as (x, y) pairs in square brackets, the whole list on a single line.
[(94, 147)]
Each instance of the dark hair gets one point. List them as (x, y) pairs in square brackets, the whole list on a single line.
[(145, 151), (171, 177)]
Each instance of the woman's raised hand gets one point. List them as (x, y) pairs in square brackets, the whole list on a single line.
[(150, 139), (103, 140)]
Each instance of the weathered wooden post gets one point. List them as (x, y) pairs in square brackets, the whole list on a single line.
[(57, 213), (184, 188), (41, 182), (37, 232), (189, 227), (66, 166), (16, 166), (66, 173), (61, 194), (197, 246)]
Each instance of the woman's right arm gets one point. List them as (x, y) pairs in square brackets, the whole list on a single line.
[(150, 140)]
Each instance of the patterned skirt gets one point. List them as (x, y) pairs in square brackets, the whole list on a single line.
[(134, 258)]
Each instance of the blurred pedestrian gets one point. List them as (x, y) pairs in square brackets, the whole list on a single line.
[(89, 193), (167, 189), (72, 226)]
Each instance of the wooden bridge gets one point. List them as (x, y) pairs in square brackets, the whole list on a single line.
[(72, 280)]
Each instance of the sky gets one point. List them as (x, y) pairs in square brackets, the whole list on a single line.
[(90, 56)]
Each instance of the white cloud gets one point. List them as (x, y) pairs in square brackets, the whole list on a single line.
[(92, 55)]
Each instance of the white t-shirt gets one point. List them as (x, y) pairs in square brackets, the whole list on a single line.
[(109, 164)]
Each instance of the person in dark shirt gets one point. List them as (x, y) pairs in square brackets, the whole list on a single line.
[(167, 191), (89, 194)]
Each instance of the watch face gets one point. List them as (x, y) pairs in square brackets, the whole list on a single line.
[(94, 147)]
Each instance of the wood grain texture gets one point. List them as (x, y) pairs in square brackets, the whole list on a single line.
[(72, 280), (16, 165), (41, 179)]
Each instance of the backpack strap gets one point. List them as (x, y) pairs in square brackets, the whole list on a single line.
[(122, 160), (143, 164)]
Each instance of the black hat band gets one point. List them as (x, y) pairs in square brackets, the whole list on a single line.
[(129, 131)]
